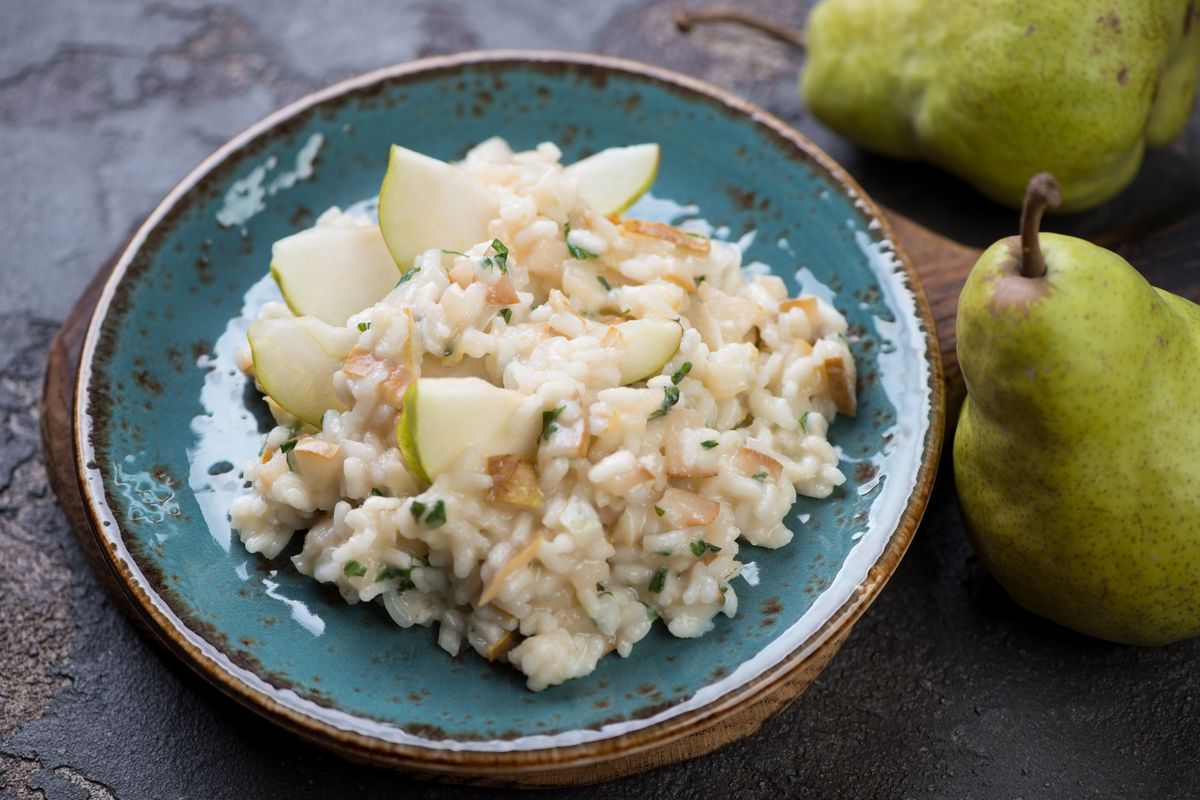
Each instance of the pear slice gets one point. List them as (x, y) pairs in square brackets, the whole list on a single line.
[(646, 345), (333, 271), (443, 420), (425, 203), (612, 180), (294, 362)]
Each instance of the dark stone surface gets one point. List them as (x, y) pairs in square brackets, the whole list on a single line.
[(945, 689)]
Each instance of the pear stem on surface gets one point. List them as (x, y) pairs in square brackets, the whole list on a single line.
[(1041, 193), (686, 19)]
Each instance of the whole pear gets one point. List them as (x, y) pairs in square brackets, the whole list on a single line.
[(1077, 453), (998, 90)]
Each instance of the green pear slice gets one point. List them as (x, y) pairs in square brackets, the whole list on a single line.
[(443, 420), (646, 346), (426, 203), (333, 271), (612, 180), (294, 362)]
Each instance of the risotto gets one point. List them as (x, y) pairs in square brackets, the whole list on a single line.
[(563, 502)]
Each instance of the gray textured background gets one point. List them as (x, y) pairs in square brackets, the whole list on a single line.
[(945, 689)]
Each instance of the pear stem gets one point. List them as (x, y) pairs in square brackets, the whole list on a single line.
[(686, 19), (1042, 192)]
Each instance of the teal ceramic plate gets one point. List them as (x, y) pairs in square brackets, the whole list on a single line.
[(163, 423)]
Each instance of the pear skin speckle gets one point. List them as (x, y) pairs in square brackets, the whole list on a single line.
[(1075, 455)]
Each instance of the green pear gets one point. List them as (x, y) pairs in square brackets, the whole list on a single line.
[(995, 90), (646, 346), (613, 179), (1076, 451), (332, 272), (294, 362), (445, 422)]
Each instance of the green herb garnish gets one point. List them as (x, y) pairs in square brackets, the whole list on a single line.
[(407, 276), (449, 351), (436, 517), (501, 254), (403, 574), (659, 510), (701, 547), (604, 282), (804, 421), (417, 508), (709, 444), (659, 580), (354, 569), (376, 493), (578, 253), (453, 253), (549, 421), (759, 476), (287, 446), (506, 314), (700, 280), (363, 327), (682, 372), (670, 398)]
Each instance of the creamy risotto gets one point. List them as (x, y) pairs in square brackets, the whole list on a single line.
[(602, 410)]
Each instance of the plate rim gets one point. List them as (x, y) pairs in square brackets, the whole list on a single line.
[(206, 660)]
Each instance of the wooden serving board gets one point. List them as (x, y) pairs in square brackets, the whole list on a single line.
[(1168, 257)]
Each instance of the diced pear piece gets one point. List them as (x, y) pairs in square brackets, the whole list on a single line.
[(425, 203), (646, 345), (684, 509), (294, 362), (333, 271), (517, 562), (444, 419), (612, 180), (318, 460), (514, 481)]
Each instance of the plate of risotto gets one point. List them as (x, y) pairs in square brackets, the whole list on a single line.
[(528, 417)]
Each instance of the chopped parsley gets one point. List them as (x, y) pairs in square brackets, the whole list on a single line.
[(659, 580), (651, 611), (659, 510), (604, 282), (804, 421), (501, 258), (354, 569), (363, 327), (578, 253), (626, 313), (550, 421), (436, 518), (709, 444), (449, 351), (417, 508), (701, 547), (506, 314), (670, 398), (407, 276), (759, 476), (682, 372), (287, 446), (376, 493), (453, 253), (403, 574)]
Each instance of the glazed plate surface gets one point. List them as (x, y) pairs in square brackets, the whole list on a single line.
[(164, 422)]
